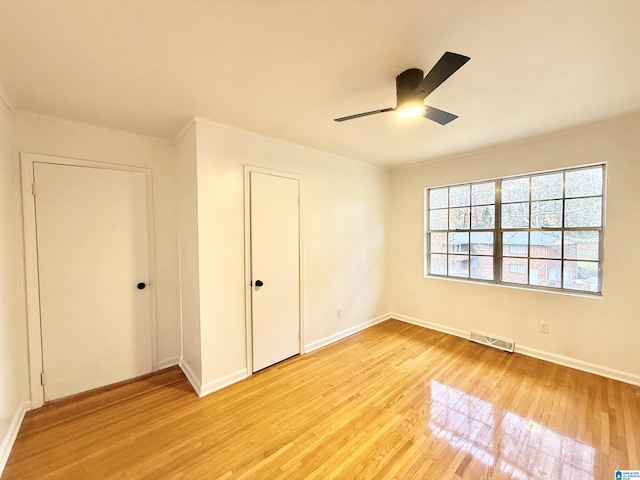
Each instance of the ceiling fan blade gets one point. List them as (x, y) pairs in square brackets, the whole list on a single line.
[(438, 116), (364, 114), (448, 64)]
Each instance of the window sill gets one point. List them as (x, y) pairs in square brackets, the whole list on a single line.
[(570, 293)]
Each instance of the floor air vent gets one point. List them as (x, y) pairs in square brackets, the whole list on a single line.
[(491, 341)]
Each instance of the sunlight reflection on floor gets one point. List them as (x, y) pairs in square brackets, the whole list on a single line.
[(501, 440)]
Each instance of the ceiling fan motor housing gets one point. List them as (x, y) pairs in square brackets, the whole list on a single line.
[(406, 84)]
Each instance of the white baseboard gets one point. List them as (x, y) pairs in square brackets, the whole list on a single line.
[(168, 362), (193, 379), (210, 387), (12, 433), (433, 326), (606, 372), (310, 347), (225, 381)]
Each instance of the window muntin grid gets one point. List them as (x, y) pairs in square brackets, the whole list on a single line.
[(461, 233), (539, 230)]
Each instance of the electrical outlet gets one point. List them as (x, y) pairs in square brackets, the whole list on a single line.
[(339, 313), (544, 327)]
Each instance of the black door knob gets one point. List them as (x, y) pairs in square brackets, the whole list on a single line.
[(141, 286), (259, 283)]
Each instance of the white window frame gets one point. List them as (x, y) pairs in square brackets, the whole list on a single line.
[(563, 262)]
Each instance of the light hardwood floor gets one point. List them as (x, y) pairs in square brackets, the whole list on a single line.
[(394, 401)]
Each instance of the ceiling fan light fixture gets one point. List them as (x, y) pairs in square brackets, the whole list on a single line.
[(412, 87), (410, 109)]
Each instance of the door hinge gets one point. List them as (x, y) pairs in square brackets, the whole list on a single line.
[(42, 379), (33, 188)]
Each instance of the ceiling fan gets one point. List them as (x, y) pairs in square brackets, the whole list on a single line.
[(412, 89)]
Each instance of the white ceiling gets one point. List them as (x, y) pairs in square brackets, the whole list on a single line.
[(286, 68)]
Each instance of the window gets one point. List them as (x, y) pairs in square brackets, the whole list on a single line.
[(516, 248), (517, 268), (461, 230), (539, 230)]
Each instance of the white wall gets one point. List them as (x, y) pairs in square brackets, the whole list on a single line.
[(65, 139), (14, 380), (345, 212), (189, 266), (598, 334)]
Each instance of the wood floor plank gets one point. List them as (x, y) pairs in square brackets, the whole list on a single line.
[(395, 401)]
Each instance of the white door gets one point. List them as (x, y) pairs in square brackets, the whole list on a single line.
[(92, 242), (275, 268)]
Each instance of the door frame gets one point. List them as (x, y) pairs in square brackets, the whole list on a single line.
[(34, 331), (247, 257)]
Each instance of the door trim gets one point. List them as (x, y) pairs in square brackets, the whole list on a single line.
[(247, 257), (34, 333)]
